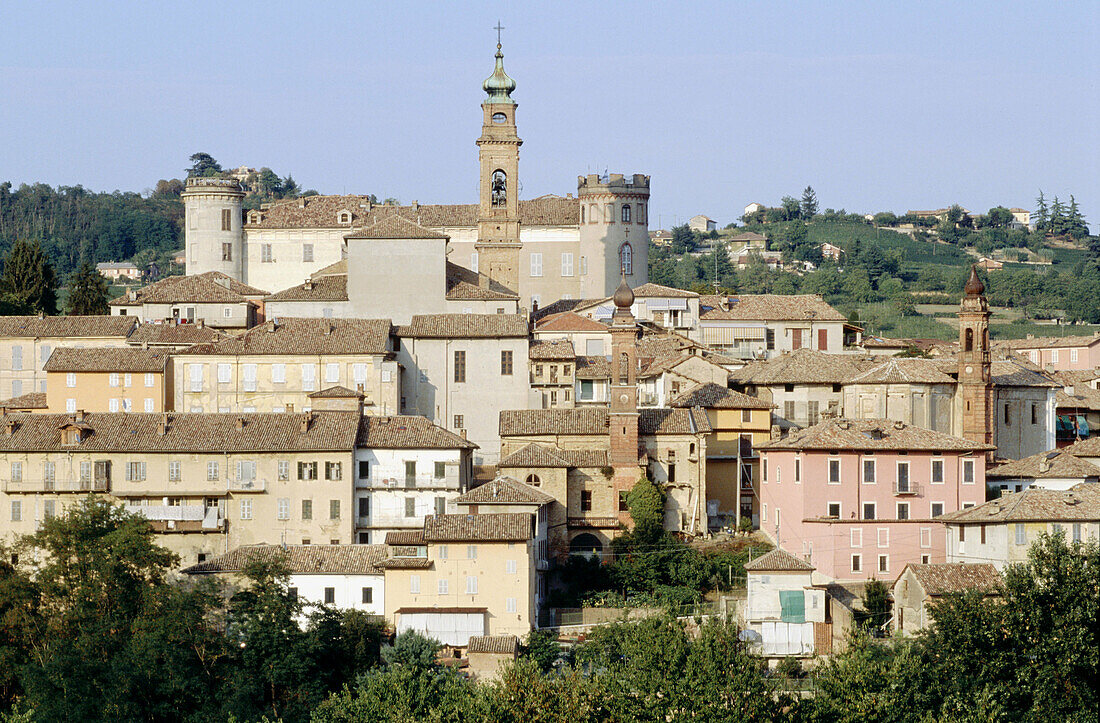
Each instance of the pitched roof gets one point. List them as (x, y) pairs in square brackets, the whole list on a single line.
[(1085, 448), (713, 396), (1048, 342), (493, 644), (405, 563), (589, 420), (551, 349), (658, 291), (31, 400), (569, 321), (1035, 504), (405, 537), (464, 284), (407, 432), (290, 335), (66, 326), (557, 307), (948, 578), (336, 391), (1056, 464), (779, 560), (300, 559), (803, 366), (1018, 373), (504, 490), (592, 367), (106, 359), (861, 434), (172, 335), (904, 371), (509, 527), (767, 307), (541, 455), (212, 287), (465, 326), (393, 226), (322, 288), (207, 433)]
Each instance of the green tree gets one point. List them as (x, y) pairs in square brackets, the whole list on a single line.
[(412, 650), (646, 502), (542, 648), (809, 203), (885, 218), (791, 207), (683, 240), (998, 217), (87, 292), (1042, 213), (203, 164), (28, 282), (1075, 220), (1058, 220)]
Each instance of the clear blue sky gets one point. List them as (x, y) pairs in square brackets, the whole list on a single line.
[(877, 105)]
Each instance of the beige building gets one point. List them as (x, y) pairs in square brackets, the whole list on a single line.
[(26, 342), (553, 372), (276, 366), (702, 224), (115, 270), (216, 299), (107, 379), (919, 585), (762, 326), (463, 576)]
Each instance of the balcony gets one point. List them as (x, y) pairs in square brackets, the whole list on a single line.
[(55, 485), (246, 485), (904, 489)]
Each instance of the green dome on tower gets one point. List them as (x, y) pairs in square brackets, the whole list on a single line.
[(498, 85)]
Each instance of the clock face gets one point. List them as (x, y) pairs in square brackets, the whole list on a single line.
[(624, 398), (970, 370)]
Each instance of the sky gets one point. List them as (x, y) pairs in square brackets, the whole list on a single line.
[(878, 106)]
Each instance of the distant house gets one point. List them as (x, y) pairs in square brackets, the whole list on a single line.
[(660, 237), (782, 608), (702, 224), (179, 258), (753, 208), (919, 585), (1054, 470), (115, 270), (1021, 219), (1060, 353), (987, 264), (940, 214), (831, 251)]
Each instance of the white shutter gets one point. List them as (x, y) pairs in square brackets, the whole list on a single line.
[(249, 377)]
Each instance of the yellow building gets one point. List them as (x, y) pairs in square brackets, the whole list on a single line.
[(107, 380), (276, 366), (466, 575), (738, 424)]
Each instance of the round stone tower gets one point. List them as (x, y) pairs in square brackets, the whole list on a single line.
[(213, 232), (614, 232)]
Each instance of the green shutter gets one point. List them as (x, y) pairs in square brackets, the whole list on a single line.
[(793, 606)]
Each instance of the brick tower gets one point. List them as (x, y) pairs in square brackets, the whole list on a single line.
[(623, 407), (975, 382), (498, 245)]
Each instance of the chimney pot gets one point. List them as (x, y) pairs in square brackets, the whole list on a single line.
[(240, 423)]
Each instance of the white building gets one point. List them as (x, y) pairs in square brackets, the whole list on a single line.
[(782, 605)]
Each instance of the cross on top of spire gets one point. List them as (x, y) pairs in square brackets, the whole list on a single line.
[(498, 28)]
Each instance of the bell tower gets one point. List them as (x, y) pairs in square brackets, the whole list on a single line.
[(498, 244), (975, 378), (623, 406)]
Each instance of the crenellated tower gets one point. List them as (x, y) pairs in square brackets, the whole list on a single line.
[(975, 375), (614, 231), (213, 236)]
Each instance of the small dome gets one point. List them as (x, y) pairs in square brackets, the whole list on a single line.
[(498, 85), (624, 295), (974, 285)]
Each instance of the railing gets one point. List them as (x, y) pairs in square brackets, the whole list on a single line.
[(55, 485), (906, 488), (246, 485)]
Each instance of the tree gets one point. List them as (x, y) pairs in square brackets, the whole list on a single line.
[(543, 649), (168, 188), (28, 282), (791, 207), (268, 183), (809, 203), (683, 240), (1075, 220), (876, 607), (646, 502), (998, 217), (411, 650), (290, 187), (203, 164), (1057, 224), (1042, 213), (87, 292), (885, 218)]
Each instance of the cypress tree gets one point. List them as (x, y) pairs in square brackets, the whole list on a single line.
[(28, 283), (87, 292)]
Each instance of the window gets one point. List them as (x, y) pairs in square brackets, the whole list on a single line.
[(567, 264), (85, 471), (812, 412), (623, 506), (195, 374), (334, 470), (227, 252), (1021, 533), (364, 469), (443, 552), (440, 505), (626, 213), (174, 471), (16, 471), (307, 509), (368, 595), (283, 470), (249, 381), (49, 509), (968, 471), (460, 366), (903, 510), (1034, 414), (1054, 356), (788, 410), (364, 507), (937, 471), (471, 552), (868, 510), (626, 259), (981, 534), (414, 584), (1076, 532), (283, 512), (127, 404), (227, 219), (211, 471), (883, 537), (70, 405), (332, 373), (442, 586), (509, 567), (1008, 420), (334, 509), (49, 474), (884, 563), (536, 264), (112, 380), (868, 471), (278, 373), (135, 471), (903, 476), (471, 584), (307, 470), (246, 509), (937, 509), (857, 562), (410, 473), (584, 266), (16, 511), (309, 377), (410, 507), (70, 380), (834, 471), (506, 363), (797, 470), (150, 405), (359, 374), (586, 500), (510, 605), (833, 510), (330, 596), (307, 252), (474, 261), (459, 421)]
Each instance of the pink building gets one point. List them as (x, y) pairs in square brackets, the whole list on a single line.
[(1060, 353), (859, 498)]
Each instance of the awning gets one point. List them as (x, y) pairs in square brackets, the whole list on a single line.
[(792, 604), (1082, 426)]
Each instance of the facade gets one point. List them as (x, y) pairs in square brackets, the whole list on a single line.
[(783, 610), (215, 298), (1002, 531), (553, 372), (863, 498), (1054, 470), (919, 585), (115, 270), (765, 325), (702, 224), (107, 379), (26, 342), (1060, 353)]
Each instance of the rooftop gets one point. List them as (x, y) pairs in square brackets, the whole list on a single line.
[(506, 527), (175, 335), (950, 578), (323, 288), (493, 644), (289, 336), (66, 326), (594, 421), (213, 287), (872, 434), (778, 560), (1034, 504), (407, 432), (657, 291), (504, 490), (393, 226), (767, 307), (804, 366), (1056, 464), (31, 400), (106, 359), (465, 326), (713, 396), (300, 559), (551, 350), (569, 321), (543, 455)]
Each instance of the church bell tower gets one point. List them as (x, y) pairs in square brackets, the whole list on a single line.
[(975, 377), (623, 404), (498, 244)]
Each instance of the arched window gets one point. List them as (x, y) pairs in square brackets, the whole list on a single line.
[(968, 343), (533, 480), (585, 544), (626, 213), (344, 217), (626, 259), (593, 214), (499, 188), (582, 214), (624, 368)]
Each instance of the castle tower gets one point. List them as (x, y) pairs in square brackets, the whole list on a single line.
[(214, 239), (498, 244), (623, 406), (614, 232), (975, 379)]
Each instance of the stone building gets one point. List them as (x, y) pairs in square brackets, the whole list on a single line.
[(213, 298)]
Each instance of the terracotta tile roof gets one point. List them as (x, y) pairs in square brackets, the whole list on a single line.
[(175, 335), (1085, 448), (301, 559), (657, 291), (66, 326), (465, 326), (493, 644), (552, 349), (408, 538), (464, 284), (592, 367), (768, 307), (504, 491), (803, 366), (589, 420), (557, 307), (405, 563), (904, 371), (393, 226), (321, 212), (665, 344), (1056, 464), (340, 268), (949, 578), (656, 367), (1034, 504), (407, 432), (313, 337), (336, 392), (212, 287), (541, 455), (1018, 373), (1048, 342), (203, 433), (778, 560), (323, 288), (863, 434), (31, 400), (509, 527), (569, 321), (106, 359), (712, 396)]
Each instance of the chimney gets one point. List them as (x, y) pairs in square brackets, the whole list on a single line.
[(9, 428), (302, 202), (273, 325), (899, 424), (309, 284), (462, 432), (200, 323), (307, 420), (222, 281), (162, 425), (240, 423), (328, 329), (41, 315), (132, 294), (78, 416), (290, 408), (1044, 465)]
